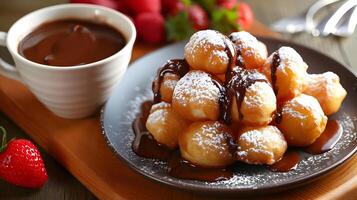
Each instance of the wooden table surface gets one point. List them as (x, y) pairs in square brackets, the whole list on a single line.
[(61, 184)]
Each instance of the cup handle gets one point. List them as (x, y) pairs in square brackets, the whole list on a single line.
[(5, 68)]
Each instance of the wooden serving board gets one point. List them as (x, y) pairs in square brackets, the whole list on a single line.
[(80, 147)]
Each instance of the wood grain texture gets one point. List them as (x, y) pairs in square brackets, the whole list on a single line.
[(84, 138)]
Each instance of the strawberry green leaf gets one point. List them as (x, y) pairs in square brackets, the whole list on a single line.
[(208, 5), (178, 27), (225, 20), (3, 143), (186, 2)]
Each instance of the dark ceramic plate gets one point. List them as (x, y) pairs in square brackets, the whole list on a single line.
[(134, 88)]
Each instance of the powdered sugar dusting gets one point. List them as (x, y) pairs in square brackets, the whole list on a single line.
[(211, 137), (158, 116), (170, 84), (293, 107), (256, 139), (289, 57), (207, 36), (263, 141), (246, 41), (326, 82), (201, 40), (161, 105), (264, 94), (195, 87)]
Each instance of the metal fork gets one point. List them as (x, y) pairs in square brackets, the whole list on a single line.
[(341, 14), (298, 23), (347, 27), (340, 23)]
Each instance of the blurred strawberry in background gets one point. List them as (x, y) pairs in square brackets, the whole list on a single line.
[(182, 24), (198, 17), (246, 16), (172, 7), (150, 27), (107, 3), (143, 6), (158, 21)]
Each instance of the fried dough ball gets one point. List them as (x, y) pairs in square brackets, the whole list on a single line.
[(302, 120), (165, 124), (196, 97), (261, 145), (254, 53), (326, 88), (258, 105), (290, 73), (207, 144), (167, 86), (206, 51)]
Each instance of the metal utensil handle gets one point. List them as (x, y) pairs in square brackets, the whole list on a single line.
[(5, 68), (310, 24), (335, 18), (353, 21)]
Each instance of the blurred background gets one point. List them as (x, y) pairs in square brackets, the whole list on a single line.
[(62, 185)]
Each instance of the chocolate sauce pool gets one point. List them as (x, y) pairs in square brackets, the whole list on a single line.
[(289, 162), (328, 138), (71, 42), (144, 143), (238, 79)]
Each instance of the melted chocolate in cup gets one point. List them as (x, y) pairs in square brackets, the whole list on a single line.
[(71, 42)]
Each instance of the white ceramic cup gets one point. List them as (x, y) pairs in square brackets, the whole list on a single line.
[(73, 91)]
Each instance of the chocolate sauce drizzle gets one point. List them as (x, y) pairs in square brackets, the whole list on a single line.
[(237, 87), (238, 79), (274, 66), (178, 67)]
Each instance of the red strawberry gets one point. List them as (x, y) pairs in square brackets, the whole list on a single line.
[(21, 164), (142, 6), (150, 27), (107, 3), (246, 16), (122, 7), (198, 17), (172, 7), (228, 4)]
